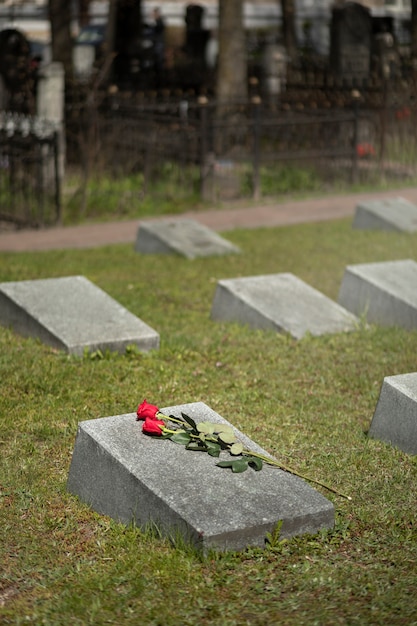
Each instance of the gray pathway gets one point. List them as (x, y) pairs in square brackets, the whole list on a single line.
[(293, 212)]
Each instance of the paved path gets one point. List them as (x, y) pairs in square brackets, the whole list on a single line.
[(294, 212)]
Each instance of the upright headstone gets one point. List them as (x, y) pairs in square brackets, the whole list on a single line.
[(395, 417), (280, 302), (350, 41), (50, 106), (181, 236), (72, 314), (396, 214), (385, 293), (274, 69), (123, 473)]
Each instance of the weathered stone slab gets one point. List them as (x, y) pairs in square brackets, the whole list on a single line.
[(385, 293), (181, 236), (280, 302), (396, 214), (395, 417), (72, 314), (132, 477)]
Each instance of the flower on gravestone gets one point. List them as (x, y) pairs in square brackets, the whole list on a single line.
[(153, 426), (212, 438), (147, 410)]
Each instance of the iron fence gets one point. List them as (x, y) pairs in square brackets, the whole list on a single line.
[(177, 146), (184, 144), (29, 171)]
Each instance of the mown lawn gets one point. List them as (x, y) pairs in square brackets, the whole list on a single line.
[(309, 402)]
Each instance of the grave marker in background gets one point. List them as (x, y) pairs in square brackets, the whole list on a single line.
[(123, 473), (396, 214), (181, 236), (385, 293), (395, 417), (72, 314), (350, 41), (280, 302)]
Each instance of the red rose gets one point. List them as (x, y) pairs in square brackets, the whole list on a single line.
[(365, 150), (152, 426), (146, 410)]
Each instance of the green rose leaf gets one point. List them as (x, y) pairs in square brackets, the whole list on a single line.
[(189, 421), (236, 448), (181, 437), (196, 447), (238, 465), (225, 464), (227, 437), (223, 428), (205, 427), (255, 463), (213, 449)]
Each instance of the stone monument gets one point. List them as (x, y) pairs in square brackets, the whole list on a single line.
[(72, 314), (280, 302), (395, 214), (181, 236), (350, 41), (395, 417), (385, 293), (132, 477)]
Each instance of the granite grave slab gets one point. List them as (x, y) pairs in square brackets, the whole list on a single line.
[(385, 293), (185, 237), (395, 417), (132, 477), (395, 214), (281, 302), (72, 314)]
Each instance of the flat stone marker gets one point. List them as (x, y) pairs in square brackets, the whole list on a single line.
[(280, 302), (385, 293), (183, 236), (395, 417), (132, 477), (72, 314), (396, 214)]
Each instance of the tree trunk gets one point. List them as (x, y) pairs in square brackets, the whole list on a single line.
[(414, 33), (60, 18), (83, 12), (232, 61), (288, 28)]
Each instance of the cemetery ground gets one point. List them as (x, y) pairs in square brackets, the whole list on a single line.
[(309, 402)]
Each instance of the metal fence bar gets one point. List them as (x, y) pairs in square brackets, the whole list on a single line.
[(30, 189), (213, 139)]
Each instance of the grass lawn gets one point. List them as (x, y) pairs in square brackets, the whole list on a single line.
[(309, 402)]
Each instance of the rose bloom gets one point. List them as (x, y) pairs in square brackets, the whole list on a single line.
[(147, 410), (152, 426)]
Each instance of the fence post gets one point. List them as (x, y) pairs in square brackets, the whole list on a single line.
[(384, 115), (256, 101), (206, 157), (356, 97), (58, 203)]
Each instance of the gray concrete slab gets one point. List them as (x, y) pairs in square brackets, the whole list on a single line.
[(395, 417), (132, 477), (384, 293), (396, 214), (185, 237), (72, 314), (281, 302)]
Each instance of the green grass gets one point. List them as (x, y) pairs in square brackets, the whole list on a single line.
[(174, 188), (309, 402), (107, 198)]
